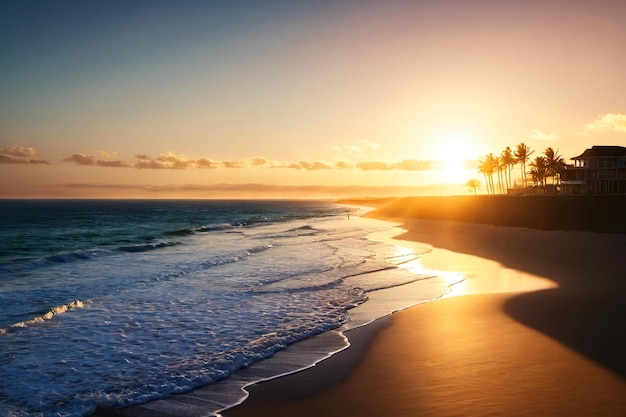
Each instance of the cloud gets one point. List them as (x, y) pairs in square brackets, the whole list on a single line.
[(207, 163), (106, 155), (414, 165), (357, 147), (112, 164), (374, 166), (149, 164), (258, 161), (18, 155), (169, 160), (7, 159), (88, 160), (539, 135), (261, 161), (172, 161), (310, 166), (19, 151), (344, 165), (609, 122), (234, 164), (81, 159)]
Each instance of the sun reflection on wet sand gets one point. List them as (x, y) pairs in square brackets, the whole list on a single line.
[(466, 274)]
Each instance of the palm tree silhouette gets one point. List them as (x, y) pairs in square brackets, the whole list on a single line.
[(554, 163), (550, 164), (488, 167), (483, 168), (522, 154), (539, 171), (473, 185), (509, 160)]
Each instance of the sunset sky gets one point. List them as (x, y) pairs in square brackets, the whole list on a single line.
[(161, 99)]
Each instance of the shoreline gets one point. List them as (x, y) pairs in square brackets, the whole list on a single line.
[(348, 341), (571, 363)]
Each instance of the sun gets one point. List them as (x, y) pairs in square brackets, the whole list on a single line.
[(450, 153)]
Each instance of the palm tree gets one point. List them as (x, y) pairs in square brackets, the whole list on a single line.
[(473, 185), (502, 175), (555, 163), (539, 171), (522, 154), (509, 160), (485, 169), (488, 167), (497, 168)]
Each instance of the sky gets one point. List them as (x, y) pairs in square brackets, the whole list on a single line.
[(222, 99)]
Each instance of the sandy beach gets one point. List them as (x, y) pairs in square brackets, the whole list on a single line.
[(537, 328)]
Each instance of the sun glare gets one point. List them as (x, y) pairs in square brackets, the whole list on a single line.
[(450, 153)]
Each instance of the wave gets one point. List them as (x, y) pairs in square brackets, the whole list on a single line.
[(47, 315), (147, 247), (216, 227), (29, 264), (181, 232), (202, 229), (218, 260), (24, 265)]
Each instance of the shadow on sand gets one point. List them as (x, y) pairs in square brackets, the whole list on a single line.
[(590, 322)]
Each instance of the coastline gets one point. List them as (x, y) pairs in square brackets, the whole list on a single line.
[(513, 344), (311, 354)]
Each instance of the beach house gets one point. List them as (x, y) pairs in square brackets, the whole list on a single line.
[(599, 170)]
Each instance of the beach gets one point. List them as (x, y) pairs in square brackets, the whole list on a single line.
[(535, 329)]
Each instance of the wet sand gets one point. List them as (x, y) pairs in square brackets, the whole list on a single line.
[(536, 329)]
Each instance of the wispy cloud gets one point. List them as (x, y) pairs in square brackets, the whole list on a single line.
[(608, 122), (540, 135)]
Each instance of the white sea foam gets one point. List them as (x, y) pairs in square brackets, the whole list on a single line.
[(48, 315)]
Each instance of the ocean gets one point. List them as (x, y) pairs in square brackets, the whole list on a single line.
[(111, 303)]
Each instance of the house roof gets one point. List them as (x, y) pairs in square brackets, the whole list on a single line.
[(597, 151)]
